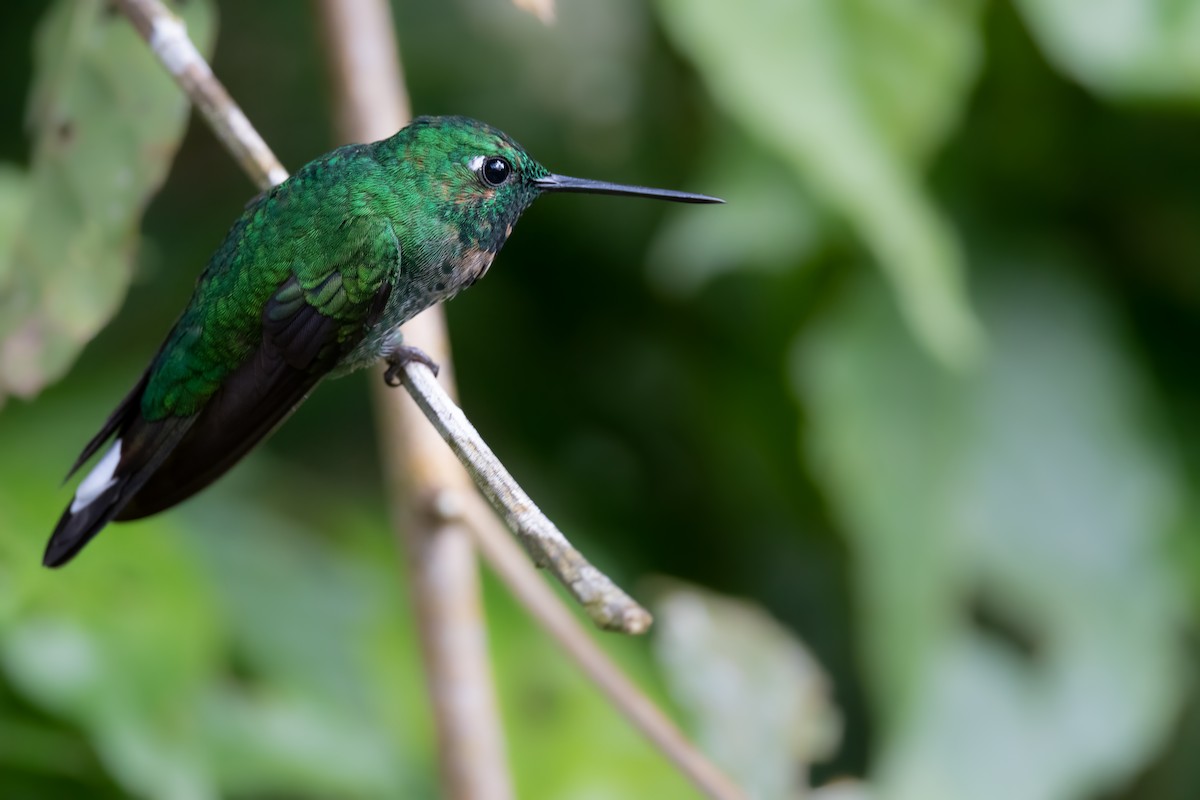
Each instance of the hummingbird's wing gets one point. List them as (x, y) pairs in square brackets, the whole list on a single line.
[(167, 448), (298, 349)]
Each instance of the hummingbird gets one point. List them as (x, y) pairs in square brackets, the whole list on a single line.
[(313, 280)]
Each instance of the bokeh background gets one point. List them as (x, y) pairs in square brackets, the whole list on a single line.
[(901, 443)]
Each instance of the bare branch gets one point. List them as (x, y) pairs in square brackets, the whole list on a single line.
[(168, 38), (511, 565), (611, 608), (422, 478), (455, 503), (371, 103), (605, 603)]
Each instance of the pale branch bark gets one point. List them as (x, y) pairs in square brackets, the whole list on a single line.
[(168, 38), (455, 506), (372, 100), (370, 103), (444, 584), (513, 568), (605, 603)]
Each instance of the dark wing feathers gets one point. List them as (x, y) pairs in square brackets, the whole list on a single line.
[(305, 331), (126, 410), (145, 445), (295, 353)]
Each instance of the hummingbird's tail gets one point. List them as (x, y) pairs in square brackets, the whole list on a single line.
[(95, 502), (132, 460), (152, 465), (135, 454)]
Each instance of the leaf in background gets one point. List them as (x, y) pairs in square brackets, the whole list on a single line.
[(1032, 494), (758, 702), (121, 643), (564, 738), (303, 617), (106, 121), (843, 790), (855, 95), (249, 657), (14, 192), (238, 647), (1140, 49)]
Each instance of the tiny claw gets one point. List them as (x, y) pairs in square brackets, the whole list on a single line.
[(402, 355)]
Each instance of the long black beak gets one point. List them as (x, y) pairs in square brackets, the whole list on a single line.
[(563, 183)]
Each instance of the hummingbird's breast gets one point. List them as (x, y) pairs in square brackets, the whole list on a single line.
[(475, 264), (420, 283), (451, 275), (441, 254)]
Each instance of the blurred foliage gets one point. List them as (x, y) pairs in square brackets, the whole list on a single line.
[(965, 487), (853, 94), (105, 122), (1125, 48), (758, 702), (1018, 580)]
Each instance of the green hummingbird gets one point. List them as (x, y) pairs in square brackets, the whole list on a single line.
[(312, 281)]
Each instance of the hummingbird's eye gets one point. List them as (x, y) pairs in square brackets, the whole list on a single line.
[(495, 171)]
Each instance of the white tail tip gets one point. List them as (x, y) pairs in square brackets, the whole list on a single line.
[(102, 476)]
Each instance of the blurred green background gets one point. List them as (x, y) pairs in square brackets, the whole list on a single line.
[(922, 396)]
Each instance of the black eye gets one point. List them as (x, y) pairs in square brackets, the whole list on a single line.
[(495, 171)]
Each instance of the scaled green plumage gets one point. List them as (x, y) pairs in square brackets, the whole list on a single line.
[(313, 280)]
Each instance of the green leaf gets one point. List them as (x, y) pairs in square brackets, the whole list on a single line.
[(854, 95), (759, 703), (121, 643), (304, 618), (14, 194), (565, 738), (843, 789), (1009, 530), (106, 120), (1136, 49)]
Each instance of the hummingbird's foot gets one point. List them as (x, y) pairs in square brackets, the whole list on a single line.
[(405, 354)]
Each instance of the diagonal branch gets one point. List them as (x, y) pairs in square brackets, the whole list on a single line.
[(605, 602), (168, 38), (609, 607), (370, 102), (510, 564)]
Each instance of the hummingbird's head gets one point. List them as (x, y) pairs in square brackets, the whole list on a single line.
[(469, 175), (476, 179)]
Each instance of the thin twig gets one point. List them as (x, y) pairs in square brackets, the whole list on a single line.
[(168, 38), (512, 566), (604, 601), (500, 550), (371, 103)]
